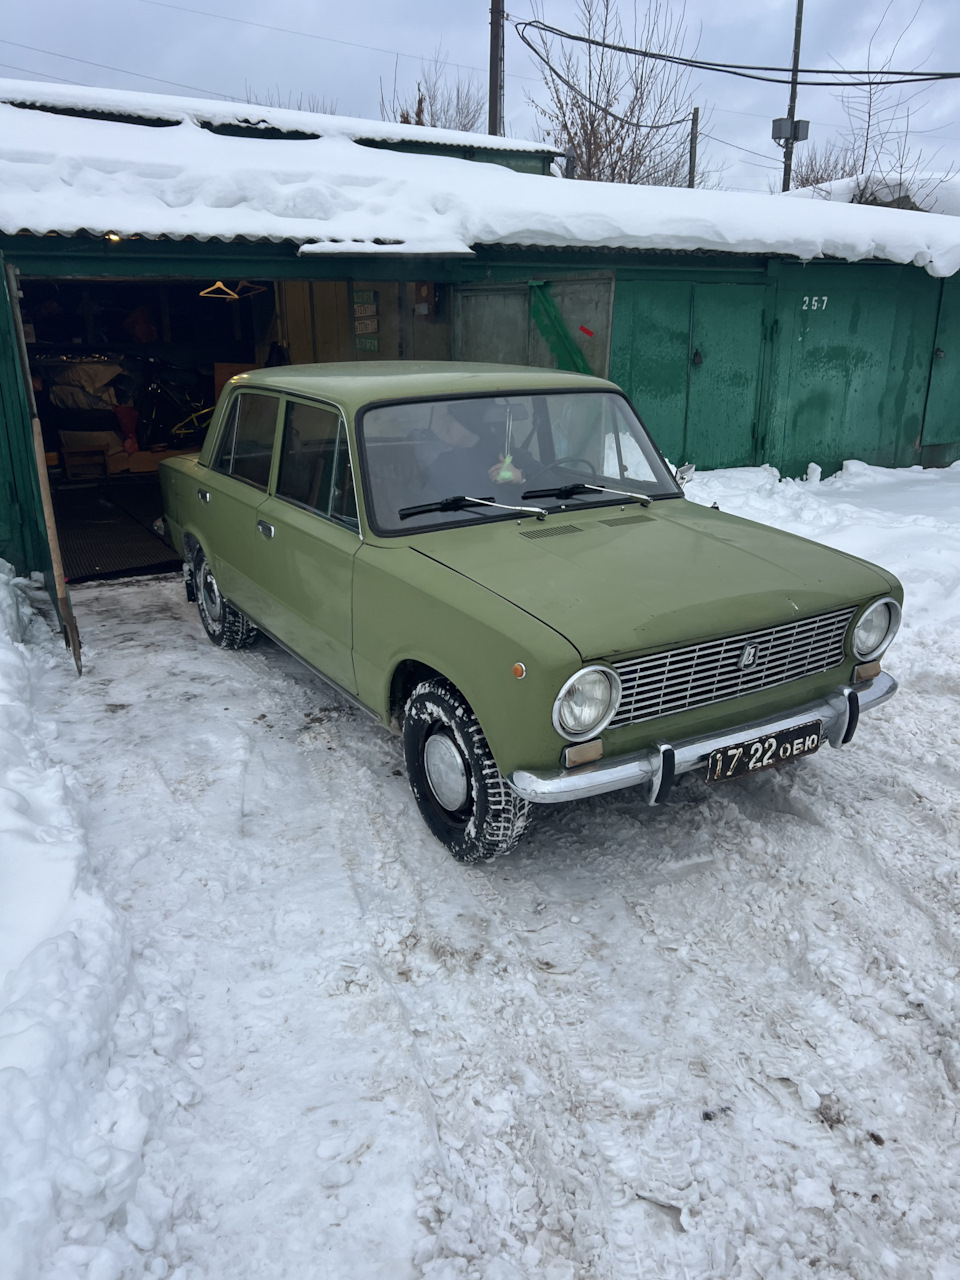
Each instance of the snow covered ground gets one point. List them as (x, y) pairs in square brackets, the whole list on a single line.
[(259, 1025)]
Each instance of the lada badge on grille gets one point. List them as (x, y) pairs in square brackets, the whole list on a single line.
[(748, 656)]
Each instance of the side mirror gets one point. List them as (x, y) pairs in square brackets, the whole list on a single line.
[(684, 473)]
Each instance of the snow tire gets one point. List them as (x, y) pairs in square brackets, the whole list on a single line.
[(224, 624), (490, 817)]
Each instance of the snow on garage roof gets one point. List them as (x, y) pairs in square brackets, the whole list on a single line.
[(171, 176), (932, 192), (162, 109)]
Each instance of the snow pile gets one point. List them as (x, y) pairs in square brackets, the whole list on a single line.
[(64, 174), (934, 193), (72, 1125), (41, 843)]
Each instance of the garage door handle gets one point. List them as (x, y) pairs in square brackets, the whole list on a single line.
[(203, 495), (266, 529)]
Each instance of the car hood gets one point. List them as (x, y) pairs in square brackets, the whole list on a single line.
[(616, 582)]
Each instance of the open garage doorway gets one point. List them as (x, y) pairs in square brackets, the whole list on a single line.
[(126, 373)]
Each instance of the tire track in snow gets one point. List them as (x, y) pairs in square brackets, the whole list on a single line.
[(564, 1158), (660, 1172), (571, 1011)]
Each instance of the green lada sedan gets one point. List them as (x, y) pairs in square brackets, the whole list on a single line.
[(497, 563)]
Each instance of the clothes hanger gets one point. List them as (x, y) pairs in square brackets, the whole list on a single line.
[(246, 290), (219, 290)]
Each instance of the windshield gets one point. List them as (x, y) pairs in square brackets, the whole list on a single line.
[(559, 448)]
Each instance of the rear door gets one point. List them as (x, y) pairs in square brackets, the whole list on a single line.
[(312, 536), (229, 494)]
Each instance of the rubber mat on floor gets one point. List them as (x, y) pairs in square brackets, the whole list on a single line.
[(112, 547)]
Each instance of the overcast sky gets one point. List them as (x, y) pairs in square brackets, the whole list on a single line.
[(342, 53)]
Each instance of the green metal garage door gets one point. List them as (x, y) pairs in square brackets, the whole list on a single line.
[(690, 356), (497, 322), (941, 424), (854, 349), (23, 539)]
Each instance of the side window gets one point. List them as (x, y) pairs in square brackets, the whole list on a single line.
[(315, 467), (308, 455), (247, 444)]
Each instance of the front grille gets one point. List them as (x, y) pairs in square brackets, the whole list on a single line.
[(664, 683)]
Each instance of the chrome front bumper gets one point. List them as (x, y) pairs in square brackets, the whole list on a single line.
[(657, 766)]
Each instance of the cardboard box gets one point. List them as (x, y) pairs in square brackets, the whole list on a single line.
[(87, 454), (148, 460)]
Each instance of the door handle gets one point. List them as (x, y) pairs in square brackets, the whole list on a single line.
[(266, 529), (203, 495)]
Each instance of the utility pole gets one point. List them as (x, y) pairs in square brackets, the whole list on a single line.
[(694, 130), (792, 108), (495, 95)]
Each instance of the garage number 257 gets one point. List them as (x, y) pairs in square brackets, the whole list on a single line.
[(817, 303)]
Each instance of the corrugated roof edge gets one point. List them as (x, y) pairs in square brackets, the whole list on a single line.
[(154, 108), (416, 250)]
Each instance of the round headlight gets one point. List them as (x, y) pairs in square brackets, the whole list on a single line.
[(586, 702), (876, 629)]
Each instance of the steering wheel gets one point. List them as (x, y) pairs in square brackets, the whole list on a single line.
[(564, 462)]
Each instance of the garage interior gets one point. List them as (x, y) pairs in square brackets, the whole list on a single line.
[(126, 372)]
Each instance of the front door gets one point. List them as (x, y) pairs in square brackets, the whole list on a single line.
[(312, 535)]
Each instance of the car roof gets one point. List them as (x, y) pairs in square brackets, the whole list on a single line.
[(360, 382)]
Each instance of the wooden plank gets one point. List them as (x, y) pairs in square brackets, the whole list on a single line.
[(296, 298)]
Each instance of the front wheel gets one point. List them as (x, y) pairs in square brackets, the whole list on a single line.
[(463, 797), (225, 625)]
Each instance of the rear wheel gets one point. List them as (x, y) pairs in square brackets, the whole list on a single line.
[(224, 624), (463, 797)]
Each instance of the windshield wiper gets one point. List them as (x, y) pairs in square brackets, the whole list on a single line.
[(572, 490), (463, 502)]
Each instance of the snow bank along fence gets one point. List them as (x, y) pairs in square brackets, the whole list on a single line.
[(740, 325)]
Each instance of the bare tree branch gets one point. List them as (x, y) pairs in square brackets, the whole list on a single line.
[(438, 102), (875, 145), (302, 102), (626, 119)]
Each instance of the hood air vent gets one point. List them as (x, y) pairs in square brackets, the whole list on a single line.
[(551, 531)]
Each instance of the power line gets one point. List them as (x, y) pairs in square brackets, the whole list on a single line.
[(312, 35), (597, 106), (745, 71), (119, 70), (736, 145), (28, 71)]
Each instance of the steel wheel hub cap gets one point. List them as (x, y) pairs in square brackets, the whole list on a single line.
[(446, 771), (211, 595)]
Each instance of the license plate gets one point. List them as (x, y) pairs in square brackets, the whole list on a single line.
[(763, 753)]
